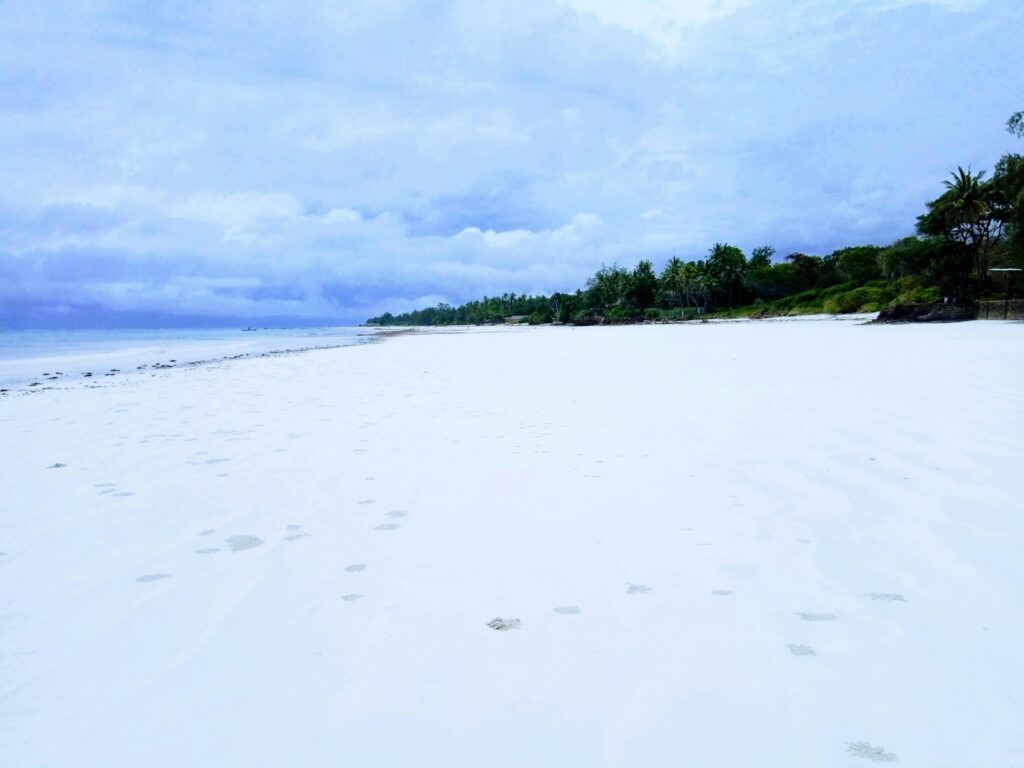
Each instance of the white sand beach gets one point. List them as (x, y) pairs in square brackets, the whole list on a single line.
[(781, 545)]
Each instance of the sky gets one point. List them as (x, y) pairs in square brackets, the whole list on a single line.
[(294, 162)]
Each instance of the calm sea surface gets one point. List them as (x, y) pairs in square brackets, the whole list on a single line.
[(25, 356)]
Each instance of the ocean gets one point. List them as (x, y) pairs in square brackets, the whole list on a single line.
[(27, 356)]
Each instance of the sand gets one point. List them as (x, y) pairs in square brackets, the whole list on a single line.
[(752, 544)]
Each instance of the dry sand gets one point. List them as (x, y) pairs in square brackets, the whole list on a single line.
[(755, 544)]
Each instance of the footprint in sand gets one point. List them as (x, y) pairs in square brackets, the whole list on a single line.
[(817, 616), (721, 592), (636, 589), (503, 625), (153, 577), (397, 513), (801, 650), (351, 597), (870, 752), (886, 597), (568, 610), (239, 543), (387, 527), (296, 536), (355, 568), (207, 551), (293, 527)]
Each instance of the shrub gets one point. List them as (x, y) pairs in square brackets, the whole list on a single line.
[(918, 294), (622, 314), (586, 317), (867, 298)]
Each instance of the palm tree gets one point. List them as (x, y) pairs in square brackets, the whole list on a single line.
[(690, 282), (728, 264), (965, 195), (671, 278), (964, 213)]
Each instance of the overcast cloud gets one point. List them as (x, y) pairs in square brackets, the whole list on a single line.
[(168, 162)]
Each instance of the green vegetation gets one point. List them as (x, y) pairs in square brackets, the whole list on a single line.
[(975, 224)]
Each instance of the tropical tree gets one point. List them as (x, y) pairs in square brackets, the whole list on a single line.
[(1015, 124), (905, 257), (692, 284), (670, 282), (968, 212), (807, 268), (761, 257), (1008, 181), (642, 285), (608, 287), (728, 266), (669, 278), (858, 264)]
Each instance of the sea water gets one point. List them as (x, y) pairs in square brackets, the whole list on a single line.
[(26, 356)]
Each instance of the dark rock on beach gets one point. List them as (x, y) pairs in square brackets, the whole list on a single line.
[(927, 313)]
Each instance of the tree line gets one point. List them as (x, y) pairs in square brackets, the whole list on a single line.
[(976, 223)]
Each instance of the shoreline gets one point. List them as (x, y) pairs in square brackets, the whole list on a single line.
[(378, 334), (36, 385)]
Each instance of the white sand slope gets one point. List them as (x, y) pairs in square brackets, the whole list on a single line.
[(765, 544)]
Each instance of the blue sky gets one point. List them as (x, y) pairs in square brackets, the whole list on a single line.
[(291, 161)]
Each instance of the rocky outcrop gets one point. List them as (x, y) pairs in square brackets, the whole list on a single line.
[(927, 313)]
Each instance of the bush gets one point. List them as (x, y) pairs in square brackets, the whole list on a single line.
[(586, 317), (622, 314), (805, 303), (917, 294), (867, 298)]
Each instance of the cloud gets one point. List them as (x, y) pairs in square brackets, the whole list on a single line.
[(241, 215), (668, 26), (323, 161), (661, 22)]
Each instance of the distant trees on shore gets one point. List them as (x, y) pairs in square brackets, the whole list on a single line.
[(976, 223)]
